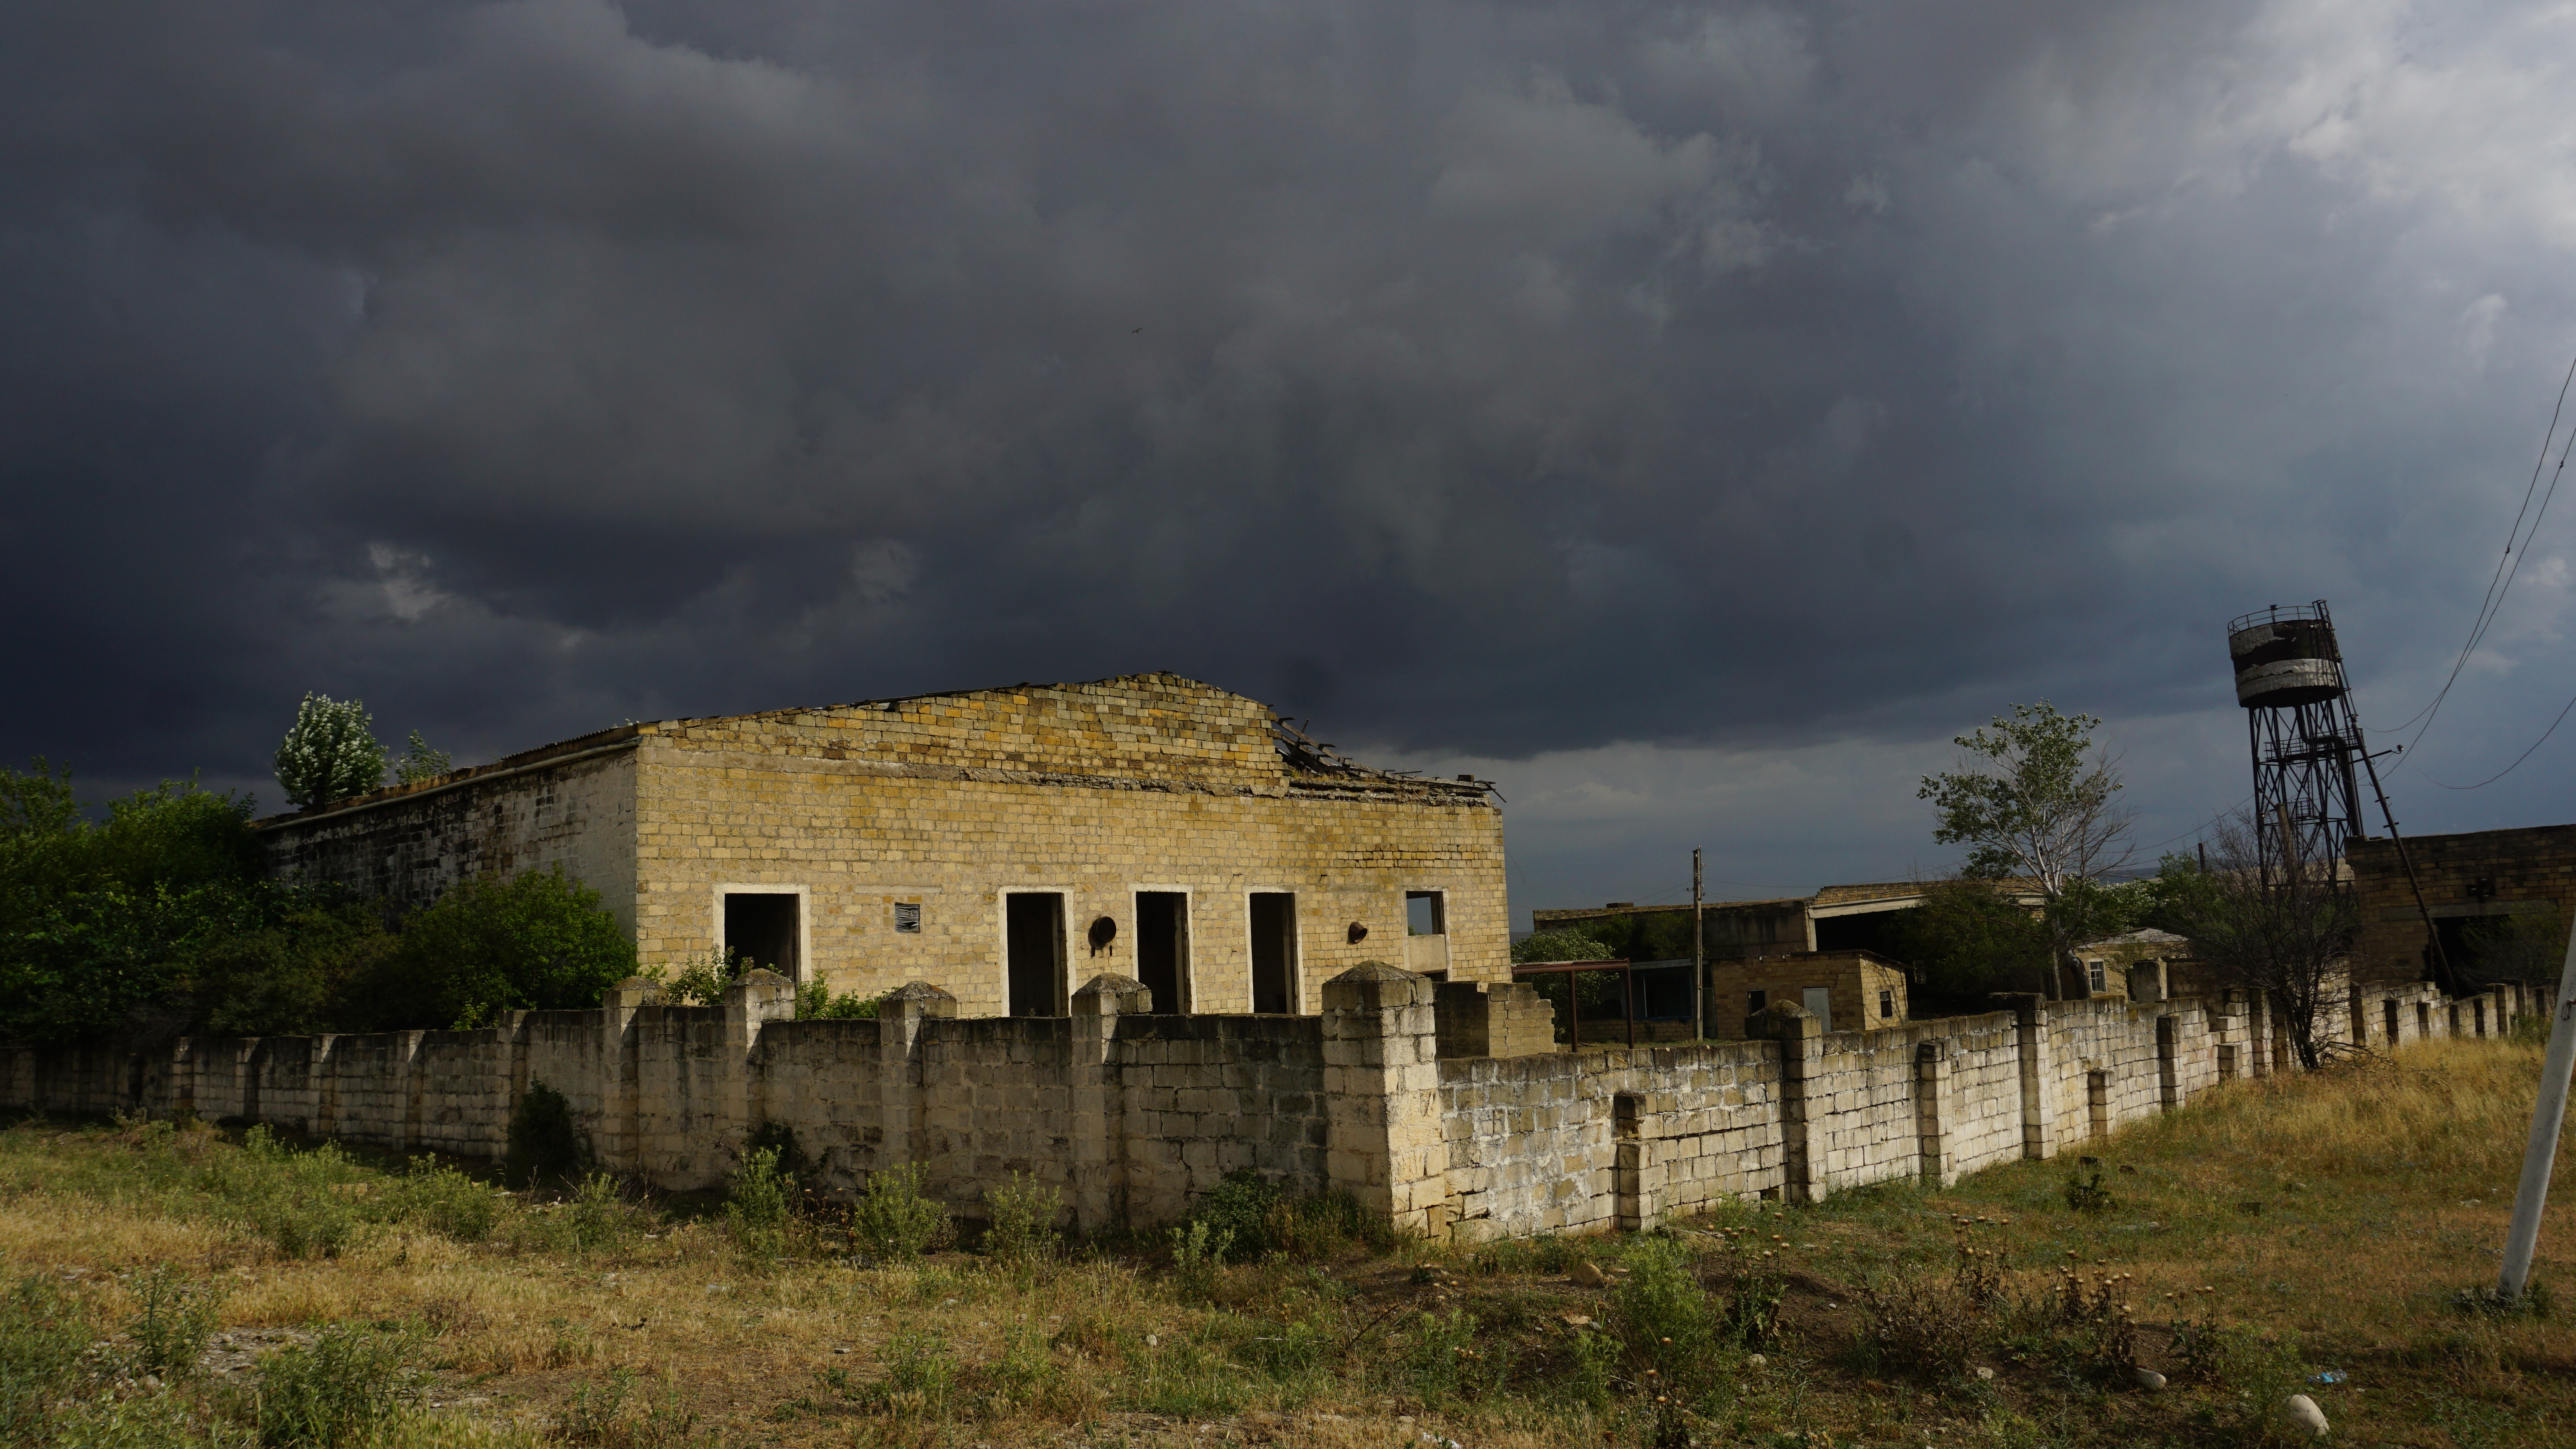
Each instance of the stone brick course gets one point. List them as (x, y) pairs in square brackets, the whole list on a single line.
[(1134, 1115)]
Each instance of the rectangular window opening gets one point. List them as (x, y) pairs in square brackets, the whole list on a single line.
[(907, 918), (1163, 949), (1426, 913), (2388, 1011), (1274, 952), (760, 928), (1033, 936), (2096, 977), (1755, 1002), (1886, 1004)]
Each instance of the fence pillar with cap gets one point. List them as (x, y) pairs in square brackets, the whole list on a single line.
[(1096, 1116), (901, 1014), (1801, 1038), (2038, 1072), (759, 997), (1383, 1142), (1940, 1165)]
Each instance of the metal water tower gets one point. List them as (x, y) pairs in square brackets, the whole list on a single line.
[(2309, 759), (2306, 739)]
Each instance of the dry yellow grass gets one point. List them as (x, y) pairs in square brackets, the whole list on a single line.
[(2378, 1192)]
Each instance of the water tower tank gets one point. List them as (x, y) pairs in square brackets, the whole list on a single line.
[(2285, 657)]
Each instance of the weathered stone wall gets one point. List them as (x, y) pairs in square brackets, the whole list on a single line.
[(1133, 1115), (572, 805)]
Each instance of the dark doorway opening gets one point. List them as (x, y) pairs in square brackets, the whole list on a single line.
[(1163, 948), (760, 927), (1034, 934), (1274, 952)]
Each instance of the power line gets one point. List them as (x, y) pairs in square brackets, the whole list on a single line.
[(2507, 568), (2517, 760)]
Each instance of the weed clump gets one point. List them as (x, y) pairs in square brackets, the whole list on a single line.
[(2088, 1195), (307, 1204), (174, 1319), (349, 1381), (893, 1219), (1024, 1215), (610, 1416), (760, 1209), (445, 1201), (43, 1332), (1256, 1219)]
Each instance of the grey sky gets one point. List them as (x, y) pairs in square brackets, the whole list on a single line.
[(1691, 415)]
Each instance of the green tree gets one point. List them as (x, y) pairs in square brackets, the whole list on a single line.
[(1968, 937), (534, 942), (419, 762), (330, 754), (38, 802), (98, 921), (2034, 799), (308, 970)]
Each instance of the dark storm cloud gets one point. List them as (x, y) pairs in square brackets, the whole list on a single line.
[(1493, 379)]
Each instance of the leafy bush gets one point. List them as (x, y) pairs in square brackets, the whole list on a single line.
[(892, 1218), (778, 1138), (296, 976), (535, 942), (815, 1002), (1024, 1217), (1198, 1250), (43, 1332), (596, 1216), (699, 979), (445, 1201), (350, 1380), (761, 1205), (174, 1319), (544, 1146)]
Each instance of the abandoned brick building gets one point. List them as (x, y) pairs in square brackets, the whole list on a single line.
[(1006, 843), (2468, 879)]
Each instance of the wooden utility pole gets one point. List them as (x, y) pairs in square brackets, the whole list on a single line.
[(1699, 954)]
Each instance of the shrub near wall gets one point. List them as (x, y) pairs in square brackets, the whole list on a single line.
[(535, 942)]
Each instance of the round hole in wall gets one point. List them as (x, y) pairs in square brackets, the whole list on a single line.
[(1358, 932), (1103, 931)]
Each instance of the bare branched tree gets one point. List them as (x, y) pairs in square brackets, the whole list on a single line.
[(2034, 799), (2284, 927)]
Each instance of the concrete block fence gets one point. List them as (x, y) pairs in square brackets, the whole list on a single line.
[(1387, 1095)]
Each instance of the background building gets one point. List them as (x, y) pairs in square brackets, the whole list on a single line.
[(1006, 843)]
